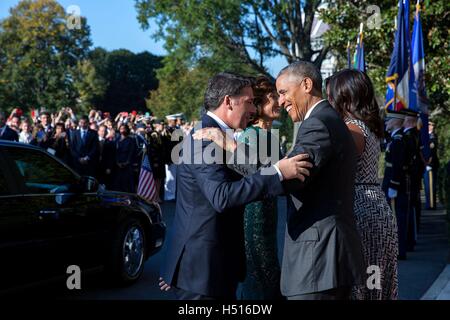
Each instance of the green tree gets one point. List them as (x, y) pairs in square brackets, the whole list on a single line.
[(344, 18), (206, 37), (252, 31), (39, 56), (90, 86), (182, 86), (128, 78)]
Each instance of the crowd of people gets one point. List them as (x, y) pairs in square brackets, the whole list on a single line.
[(110, 149)]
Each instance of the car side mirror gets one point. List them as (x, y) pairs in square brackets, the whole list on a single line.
[(62, 194), (90, 184)]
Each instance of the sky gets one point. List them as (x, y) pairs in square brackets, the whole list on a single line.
[(114, 25)]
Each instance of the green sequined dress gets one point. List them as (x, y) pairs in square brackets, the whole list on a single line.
[(260, 225)]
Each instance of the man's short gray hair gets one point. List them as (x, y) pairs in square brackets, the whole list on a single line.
[(300, 70)]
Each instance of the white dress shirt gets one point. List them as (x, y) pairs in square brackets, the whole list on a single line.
[(311, 109), (395, 131), (220, 122), (83, 134)]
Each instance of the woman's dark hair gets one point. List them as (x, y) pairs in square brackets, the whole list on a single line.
[(262, 86), (352, 95)]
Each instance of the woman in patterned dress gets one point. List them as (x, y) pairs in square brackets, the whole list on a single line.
[(351, 93)]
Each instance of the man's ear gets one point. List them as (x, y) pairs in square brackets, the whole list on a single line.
[(308, 85), (227, 101)]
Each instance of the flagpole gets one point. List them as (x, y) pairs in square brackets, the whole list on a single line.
[(395, 92), (348, 55), (361, 33)]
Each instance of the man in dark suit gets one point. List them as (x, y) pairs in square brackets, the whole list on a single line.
[(6, 133), (83, 144), (322, 256), (46, 121), (205, 254)]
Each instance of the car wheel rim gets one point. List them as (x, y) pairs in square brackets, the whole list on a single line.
[(133, 251)]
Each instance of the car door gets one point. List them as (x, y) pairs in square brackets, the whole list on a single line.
[(59, 210), (17, 237)]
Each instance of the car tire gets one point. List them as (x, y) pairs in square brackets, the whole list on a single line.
[(127, 253)]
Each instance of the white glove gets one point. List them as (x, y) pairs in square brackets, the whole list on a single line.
[(429, 168), (392, 193)]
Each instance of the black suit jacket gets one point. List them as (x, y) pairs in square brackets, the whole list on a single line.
[(106, 154), (80, 149), (205, 247), (413, 155), (9, 134), (322, 246)]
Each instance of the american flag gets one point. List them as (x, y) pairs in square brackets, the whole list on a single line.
[(147, 185)]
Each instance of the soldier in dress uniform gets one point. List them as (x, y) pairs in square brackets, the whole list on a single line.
[(171, 137), (395, 181), (415, 167), (430, 175)]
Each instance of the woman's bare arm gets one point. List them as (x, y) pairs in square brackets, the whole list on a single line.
[(358, 137)]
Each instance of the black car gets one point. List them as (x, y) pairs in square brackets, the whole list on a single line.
[(51, 218)]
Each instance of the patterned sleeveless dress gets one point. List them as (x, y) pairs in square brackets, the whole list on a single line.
[(376, 224)]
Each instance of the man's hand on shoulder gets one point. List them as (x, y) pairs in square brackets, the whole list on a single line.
[(295, 167)]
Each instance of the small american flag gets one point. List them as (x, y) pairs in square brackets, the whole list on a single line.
[(147, 185)]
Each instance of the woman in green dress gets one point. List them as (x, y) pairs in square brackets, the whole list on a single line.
[(260, 219)]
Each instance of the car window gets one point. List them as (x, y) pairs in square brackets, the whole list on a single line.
[(41, 173)]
